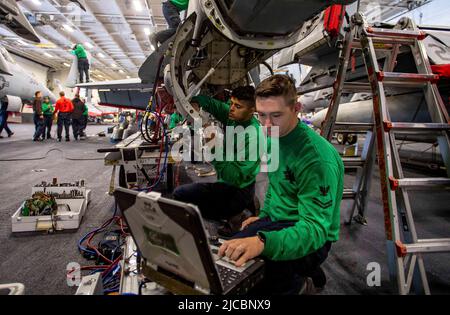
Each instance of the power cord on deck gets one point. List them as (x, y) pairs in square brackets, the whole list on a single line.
[(46, 155)]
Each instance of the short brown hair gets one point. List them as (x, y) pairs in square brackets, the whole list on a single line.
[(62, 94), (278, 85)]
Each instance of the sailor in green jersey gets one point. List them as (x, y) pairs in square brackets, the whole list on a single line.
[(84, 121), (301, 214), (47, 111), (83, 62), (235, 188)]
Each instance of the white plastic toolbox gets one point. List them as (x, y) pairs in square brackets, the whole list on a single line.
[(68, 217)]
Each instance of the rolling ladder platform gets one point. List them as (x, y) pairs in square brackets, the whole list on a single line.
[(405, 248)]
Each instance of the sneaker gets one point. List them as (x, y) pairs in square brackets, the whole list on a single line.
[(308, 287), (59, 139), (11, 134), (319, 278), (1, 137)]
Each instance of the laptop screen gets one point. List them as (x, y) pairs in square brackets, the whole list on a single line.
[(170, 235)]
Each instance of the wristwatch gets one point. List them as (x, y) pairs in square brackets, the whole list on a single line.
[(261, 237)]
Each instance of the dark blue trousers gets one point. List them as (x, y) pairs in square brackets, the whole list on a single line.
[(173, 19), (284, 277), (216, 201), (39, 127)]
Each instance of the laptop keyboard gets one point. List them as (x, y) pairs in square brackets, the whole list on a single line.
[(228, 276)]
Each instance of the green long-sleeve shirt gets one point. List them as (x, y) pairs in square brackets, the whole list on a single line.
[(175, 119), (86, 110), (47, 109), (80, 52), (243, 169), (307, 187)]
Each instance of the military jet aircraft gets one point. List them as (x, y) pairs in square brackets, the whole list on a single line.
[(220, 42), (17, 85)]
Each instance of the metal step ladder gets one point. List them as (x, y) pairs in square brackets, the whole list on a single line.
[(405, 249), (363, 164)]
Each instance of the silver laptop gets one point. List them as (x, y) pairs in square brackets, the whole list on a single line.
[(172, 239)]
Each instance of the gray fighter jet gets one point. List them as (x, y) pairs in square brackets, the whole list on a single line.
[(16, 84)]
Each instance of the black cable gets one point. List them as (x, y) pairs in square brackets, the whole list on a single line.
[(46, 155)]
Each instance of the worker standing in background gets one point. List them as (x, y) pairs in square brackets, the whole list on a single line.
[(4, 118), (171, 10), (83, 62), (84, 121), (38, 117), (63, 109), (301, 215), (77, 116), (47, 111)]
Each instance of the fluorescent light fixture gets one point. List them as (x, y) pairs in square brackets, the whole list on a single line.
[(48, 55), (100, 76), (128, 77), (113, 65), (22, 42), (66, 64), (88, 45), (121, 71), (101, 55), (37, 2), (138, 5), (147, 31), (68, 28)]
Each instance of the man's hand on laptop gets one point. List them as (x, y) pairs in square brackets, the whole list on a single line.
[(242, 250)]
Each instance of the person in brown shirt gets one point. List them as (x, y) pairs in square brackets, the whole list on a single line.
[(38, 117)]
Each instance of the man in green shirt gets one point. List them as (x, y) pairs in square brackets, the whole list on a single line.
[(47, 111), (235, 188), (171, 10), (84, 121), (83, 62), (301, 214)]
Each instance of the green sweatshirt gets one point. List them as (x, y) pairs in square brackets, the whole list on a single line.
[(80, 52), (236, 173), (175, 119), (180, 4), (307, 188), (47, 109), (86, 110)]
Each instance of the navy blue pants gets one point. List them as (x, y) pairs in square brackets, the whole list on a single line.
[(216, 201), (4, 122), (39, 127), (64, 120), (48, 123), (173, 19), (284, 277)]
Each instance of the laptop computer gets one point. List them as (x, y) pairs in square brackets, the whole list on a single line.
[(172, 240)]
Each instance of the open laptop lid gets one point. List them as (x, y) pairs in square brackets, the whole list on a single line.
[(170, 235)]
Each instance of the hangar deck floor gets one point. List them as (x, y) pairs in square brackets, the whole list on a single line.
[(39, 261)]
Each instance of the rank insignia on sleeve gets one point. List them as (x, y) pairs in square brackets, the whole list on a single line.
[(323, 205), (324, 190)]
